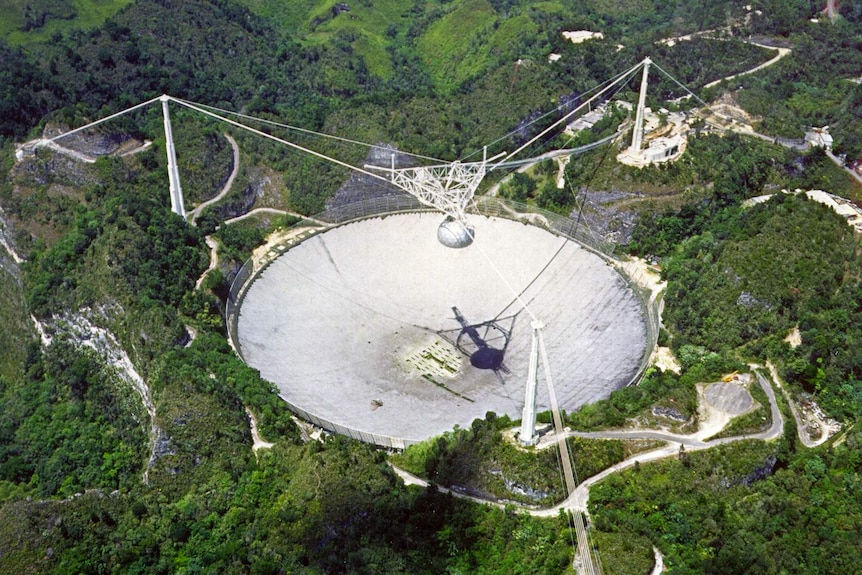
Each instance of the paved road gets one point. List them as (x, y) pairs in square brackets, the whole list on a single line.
[(840, 164), (274, 211), (782, 52), (577, 501)]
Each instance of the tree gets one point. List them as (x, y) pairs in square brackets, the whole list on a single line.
[(518, 187)]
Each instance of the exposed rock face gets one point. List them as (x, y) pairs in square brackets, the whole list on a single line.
[(668, 412), (526, 491), (603, 215), (746, 299), (9, 258), (50, 167), (761, 472), (79, 328), (90, 143)]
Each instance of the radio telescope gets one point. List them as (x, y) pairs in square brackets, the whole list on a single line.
[(376, 330)]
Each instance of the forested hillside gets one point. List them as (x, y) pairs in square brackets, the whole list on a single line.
[(125, 441)]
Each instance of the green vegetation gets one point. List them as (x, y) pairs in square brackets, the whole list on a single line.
[(334, 509), (745, 283), (710, 513), (30, 21), (207, 157), (811, 87), (437, 78), (449, 45), (13, 315), (479, 461), (69, 425)]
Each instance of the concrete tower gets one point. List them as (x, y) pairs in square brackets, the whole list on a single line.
[(528, 436), (638, 135), (177, 205)]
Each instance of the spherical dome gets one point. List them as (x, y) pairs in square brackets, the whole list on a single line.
[(454, 234)]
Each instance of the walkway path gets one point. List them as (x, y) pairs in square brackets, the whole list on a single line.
[(67, 151), (524, 165), (137, 149), (257, 440), (659, 562), (274, 211), (694, 442), (577, 501), (213, 245), (193, 215)]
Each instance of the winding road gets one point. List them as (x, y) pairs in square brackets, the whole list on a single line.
[(782, 52), (577, 501), (195, 213)]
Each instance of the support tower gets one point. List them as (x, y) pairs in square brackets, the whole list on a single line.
[(528, 435), (177, 205), (638, 133)]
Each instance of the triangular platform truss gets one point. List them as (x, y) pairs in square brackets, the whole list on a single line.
[(447, 187)]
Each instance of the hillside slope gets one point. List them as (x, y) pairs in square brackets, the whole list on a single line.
[(125, 444)]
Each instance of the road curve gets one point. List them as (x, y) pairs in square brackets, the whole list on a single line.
[(193, 215), (577, 501), (782, 52)]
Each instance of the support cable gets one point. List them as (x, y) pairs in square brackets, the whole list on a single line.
[(554, 154), (277, 139), (678, 83), (619, 87), (309, 132), (599, 86), (499, 273), (569, 516), (619, 78), (568, 468), (518, 296), (105, 119)]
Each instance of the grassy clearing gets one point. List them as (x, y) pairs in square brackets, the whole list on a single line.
[(452, 48), (287, 14), (620, 8), (373, 51), (365, 25), (512, 33), (373, 18), (54, 15)]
